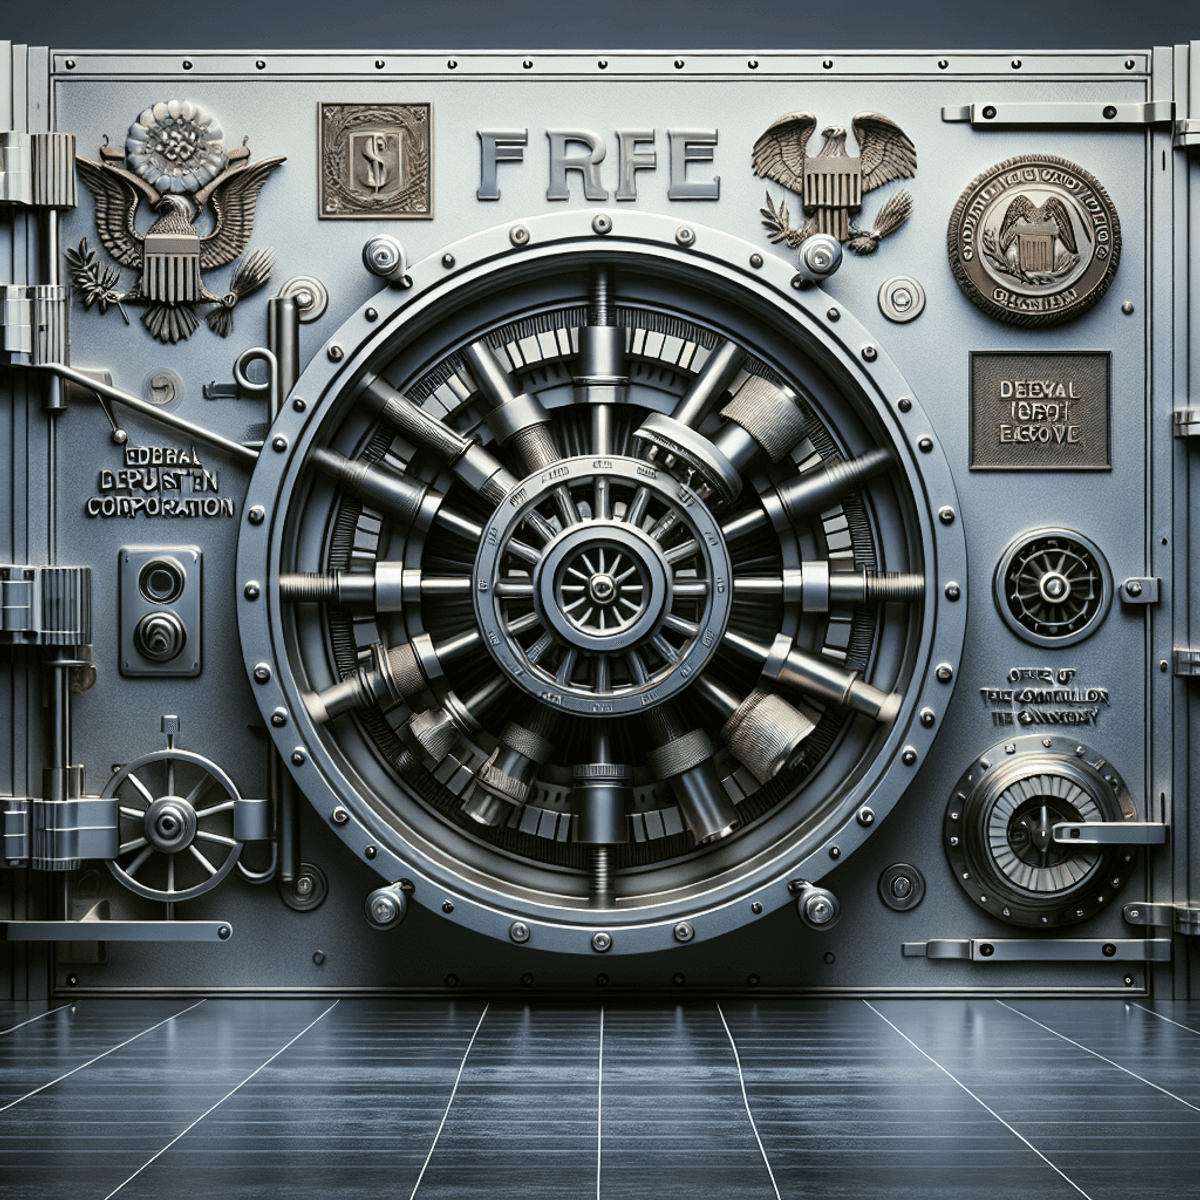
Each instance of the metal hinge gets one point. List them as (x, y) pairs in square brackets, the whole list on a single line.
[(33, 323), (1109, 833), (1187, 663), (1182, 918), (37, 170), (57, 835), (1187, 133), (991, 116), (45, 606), (1043, 950), (1187, 422), (1139, 590)]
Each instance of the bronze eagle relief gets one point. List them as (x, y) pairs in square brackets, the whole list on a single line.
[(831, 184), (175, 162)]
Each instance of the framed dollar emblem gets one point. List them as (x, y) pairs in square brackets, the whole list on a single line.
[(1034, 240), (376, 161)]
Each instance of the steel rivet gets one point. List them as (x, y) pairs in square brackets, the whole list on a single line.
[(684, 932), (1109, 112), (262, 673), (299, 404), (1129, 64), (1129, 981), (447, 906), (518, 235), (251, 591), (989, 112), (299, 758), (1016, 64), (904, 404), (318, 957), (953, 591), (870, 353), (830, 958), (752, 981), (954, 841), (945, 672), (942, 64), (336, 353), (833, 315), (601, 942), (1009, 748), (340, 815), (261, 65), (256, 515), (519, 931), (928, 717), (909, 757), (187, 64), (753, 64), (986, 949), (835, 852), (925, 445), (603, 64), (370, 852), (528, 64), (279, 444), (866, 816), (447, 261), (946, 515), (685, 236), (452, 63), (1134, 913), (70, 64), (679, 64), (602, 980), (602, 224), (379, 64), (756, 907), (756, 261), (224, 932), (1127, 308), (1108, 950), (527, 980), (279, 717), (828, 64), (372, 314)]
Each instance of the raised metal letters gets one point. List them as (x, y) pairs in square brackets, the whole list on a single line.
[(1034, 240), (376, 162), (831, 183)]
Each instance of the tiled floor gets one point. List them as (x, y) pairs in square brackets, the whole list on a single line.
[(964, 1099)]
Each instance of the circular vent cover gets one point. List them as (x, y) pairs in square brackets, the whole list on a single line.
[(1053, 587)]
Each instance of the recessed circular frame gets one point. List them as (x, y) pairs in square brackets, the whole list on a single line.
[(677, 303), (1053, 587)]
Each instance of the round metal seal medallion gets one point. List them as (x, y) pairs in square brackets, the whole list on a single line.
[(1034, 240)]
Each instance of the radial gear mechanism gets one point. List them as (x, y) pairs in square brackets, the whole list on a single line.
[(602, 589)]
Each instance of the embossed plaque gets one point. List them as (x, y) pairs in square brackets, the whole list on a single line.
[(376, 161), (1040, 411)]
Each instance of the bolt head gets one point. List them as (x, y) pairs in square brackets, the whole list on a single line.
[(601, 942), (685, 235), (683, 932), (901, 886), (866, 816), (945, 672), (602, 224), (447, 261), (335, 353), (928, 716), (518, 235), (953, 591), (833, 314), (925, 445), (279, 444), (340, 816), (756, 261), (946, 515), (909, 757), (304, 885), (279, 717), (383, 910), (519, 931), (257, 515), (262, 673), (252, 591), (299, 758), (870, 353), (224, 932)]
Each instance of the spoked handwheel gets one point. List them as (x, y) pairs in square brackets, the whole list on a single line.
[(176, 825)]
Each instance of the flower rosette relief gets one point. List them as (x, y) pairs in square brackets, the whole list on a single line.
[(175, 146)]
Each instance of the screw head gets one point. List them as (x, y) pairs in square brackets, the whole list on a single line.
[(685, 235), (833, 314), (756, 907), (753, 64), (953, 591), (1108, 950), (954, 841), (1129, 64), (370, 852), (70, 67), (340, 815), (300, 404), (279, 717), (452, 63), (679, 64), (945, 672), (528, 64), (866, 816), (869, 353), (1128, 981), (257, 515), (928, 716), (909, 757), (335, 353), (527, 980), (187, 64), (752, 981), (942, 64), (262, 673), (946, 515), (379, 64), (252, 591), (986, 950), (1109, 112), (448, 261), (603, 64), (901, 886), (602, 980), (518, 235), (818, 910), (224, 932), (261, 65), (679, 979), (989, 112), (72, 980), (756, 261), (303, 886), (519, 931), (602, 224), (1127, 308), (830, 958), (319, 957), (299, 758), (828, 64), (835, 852), (447, 906), (683, 933), (925, 445), (601, 942), (904, 404)]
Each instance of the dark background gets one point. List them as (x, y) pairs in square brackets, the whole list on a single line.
[(601, 24)]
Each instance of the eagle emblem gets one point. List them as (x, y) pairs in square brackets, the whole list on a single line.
[(1036, 244), (175, 161), (831, 184)]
